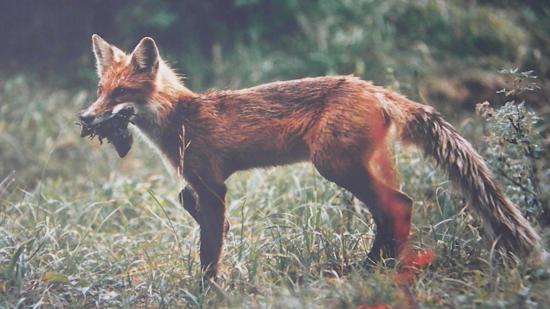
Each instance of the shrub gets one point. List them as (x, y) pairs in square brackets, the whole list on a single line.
[(514, 143)]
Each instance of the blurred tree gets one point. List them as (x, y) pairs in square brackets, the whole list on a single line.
[(242, 42)]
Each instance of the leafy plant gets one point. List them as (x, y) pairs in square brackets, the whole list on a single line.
[(514, 143)]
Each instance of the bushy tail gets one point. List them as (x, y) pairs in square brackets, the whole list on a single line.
[(428, 130)]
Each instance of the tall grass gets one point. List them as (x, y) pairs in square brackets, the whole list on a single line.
[(81, 228)]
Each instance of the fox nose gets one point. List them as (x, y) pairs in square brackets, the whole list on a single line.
[(87, 118)]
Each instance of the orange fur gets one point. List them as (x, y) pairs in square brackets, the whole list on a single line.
[(339, 123)]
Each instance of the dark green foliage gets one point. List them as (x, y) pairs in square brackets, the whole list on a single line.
[(243, 42), (514, 144)]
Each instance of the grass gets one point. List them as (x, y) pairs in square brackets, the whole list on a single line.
[(81, 228)]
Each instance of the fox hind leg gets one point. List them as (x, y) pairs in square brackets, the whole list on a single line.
[(394, 221), (395, 206), (390, 208)]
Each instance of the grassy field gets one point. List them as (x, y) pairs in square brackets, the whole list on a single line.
[(81, 228)]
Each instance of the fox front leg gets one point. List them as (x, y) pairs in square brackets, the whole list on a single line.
[(189, 200), (211, 218)]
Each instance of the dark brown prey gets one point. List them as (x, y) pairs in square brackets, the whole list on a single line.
[(113, 127)]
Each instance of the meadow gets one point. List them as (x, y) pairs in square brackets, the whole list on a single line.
[(81, 228)]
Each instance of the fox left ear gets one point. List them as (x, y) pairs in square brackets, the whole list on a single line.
[(145, 57), (105, 54)]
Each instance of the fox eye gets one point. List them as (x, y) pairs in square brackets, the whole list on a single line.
[(120, 91), (99, 90)]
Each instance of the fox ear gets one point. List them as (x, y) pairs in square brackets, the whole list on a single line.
[(145, 57), (105, 53)]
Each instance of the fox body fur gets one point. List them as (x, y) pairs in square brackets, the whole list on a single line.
[(339, 123)]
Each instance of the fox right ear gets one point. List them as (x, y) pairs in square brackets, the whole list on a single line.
[(105, 54), (145, 56)]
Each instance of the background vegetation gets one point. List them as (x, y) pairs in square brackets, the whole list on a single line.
[(81, 228)]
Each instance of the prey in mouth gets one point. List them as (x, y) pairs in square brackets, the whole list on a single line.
[(113, 127)]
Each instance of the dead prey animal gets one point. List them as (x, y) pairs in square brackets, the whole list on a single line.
[(113, 127)]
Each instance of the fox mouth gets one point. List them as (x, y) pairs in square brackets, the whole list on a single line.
[(113, 127)]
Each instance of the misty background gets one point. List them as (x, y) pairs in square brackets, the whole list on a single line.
[(443, 52)]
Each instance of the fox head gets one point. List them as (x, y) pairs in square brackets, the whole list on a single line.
[(140, 80)]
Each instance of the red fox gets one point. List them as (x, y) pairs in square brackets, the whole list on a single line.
[(338, 123)]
